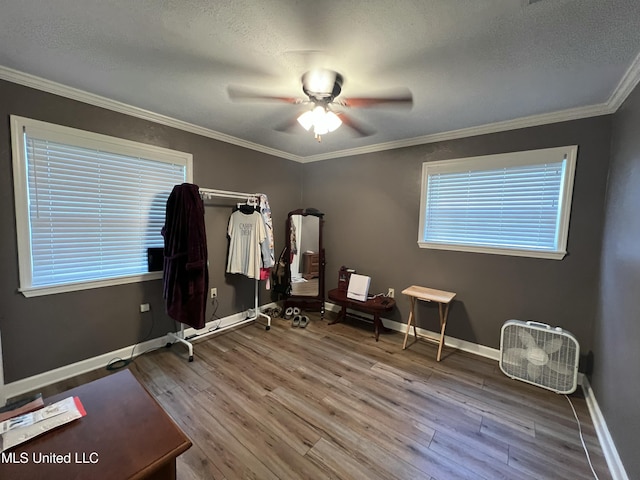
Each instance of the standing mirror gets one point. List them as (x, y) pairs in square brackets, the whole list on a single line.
[(304, 255)]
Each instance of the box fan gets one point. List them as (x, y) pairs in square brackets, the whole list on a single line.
[(539, 354)]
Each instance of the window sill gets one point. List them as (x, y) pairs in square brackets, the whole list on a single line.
[(550, 255), (73, 287)]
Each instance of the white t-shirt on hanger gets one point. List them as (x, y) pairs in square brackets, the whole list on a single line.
[(247, 232)]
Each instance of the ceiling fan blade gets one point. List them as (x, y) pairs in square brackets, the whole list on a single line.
[(357, 127), (240, 94), (404, 99), (288, 126)]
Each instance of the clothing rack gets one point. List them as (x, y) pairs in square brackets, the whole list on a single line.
[(208, 193)]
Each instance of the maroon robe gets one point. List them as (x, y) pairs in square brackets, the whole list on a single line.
[(185, 277)]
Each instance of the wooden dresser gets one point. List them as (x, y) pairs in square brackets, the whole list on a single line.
[(125, 435), (310, 265)]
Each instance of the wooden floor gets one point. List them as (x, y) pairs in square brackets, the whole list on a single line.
[(330, 402), (306, 288)]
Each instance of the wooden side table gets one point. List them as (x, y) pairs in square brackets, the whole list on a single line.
[(428, 295), (374, 306)]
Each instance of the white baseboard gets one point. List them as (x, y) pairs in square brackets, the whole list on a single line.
[(41, 380), (480, 350), (217, 326), (606, 441)]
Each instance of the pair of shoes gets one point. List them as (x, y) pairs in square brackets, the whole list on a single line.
[(291, 312), (269, 311), (300, 321), (273, 312)]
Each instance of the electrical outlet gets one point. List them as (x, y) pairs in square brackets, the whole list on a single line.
[(214, 292), (391, 292), (144, 307)]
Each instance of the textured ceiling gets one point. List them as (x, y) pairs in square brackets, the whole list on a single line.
[(468, 63)]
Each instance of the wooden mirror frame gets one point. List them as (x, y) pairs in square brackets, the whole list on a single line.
[(315, 303)]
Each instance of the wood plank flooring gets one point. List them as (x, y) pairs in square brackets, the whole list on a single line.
[(328, 402), (305, 288)]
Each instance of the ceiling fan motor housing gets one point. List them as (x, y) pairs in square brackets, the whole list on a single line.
[(322, 86)]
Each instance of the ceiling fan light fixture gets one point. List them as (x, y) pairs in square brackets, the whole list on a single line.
[(321, 88), (318, 113), (332, 120), (322, 120), (306, 120)]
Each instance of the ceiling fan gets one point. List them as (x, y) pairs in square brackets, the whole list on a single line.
[(325, 110)]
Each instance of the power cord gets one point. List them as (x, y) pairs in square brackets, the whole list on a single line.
[(212, 318), (584, 446), (118, 363)]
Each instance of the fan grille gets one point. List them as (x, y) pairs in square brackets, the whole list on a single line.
[(539, 354)]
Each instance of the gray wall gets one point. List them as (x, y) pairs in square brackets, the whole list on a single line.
[(44, 333), (372, 206), (616, 377)]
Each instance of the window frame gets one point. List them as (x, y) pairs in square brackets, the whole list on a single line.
[(519, 158), (79, 138)]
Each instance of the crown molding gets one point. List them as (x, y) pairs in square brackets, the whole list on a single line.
[(628, 82), (524, 122), (72, 93)]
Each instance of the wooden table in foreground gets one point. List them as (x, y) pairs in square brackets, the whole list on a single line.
[(125, 435), (443, 299), (373, 306)]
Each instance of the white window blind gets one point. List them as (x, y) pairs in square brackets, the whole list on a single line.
[(91, 212), (514, 203)]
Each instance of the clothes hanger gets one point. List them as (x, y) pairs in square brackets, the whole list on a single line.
[(250, 206)]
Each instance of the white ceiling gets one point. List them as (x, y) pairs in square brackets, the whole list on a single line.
[(472, 65)]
